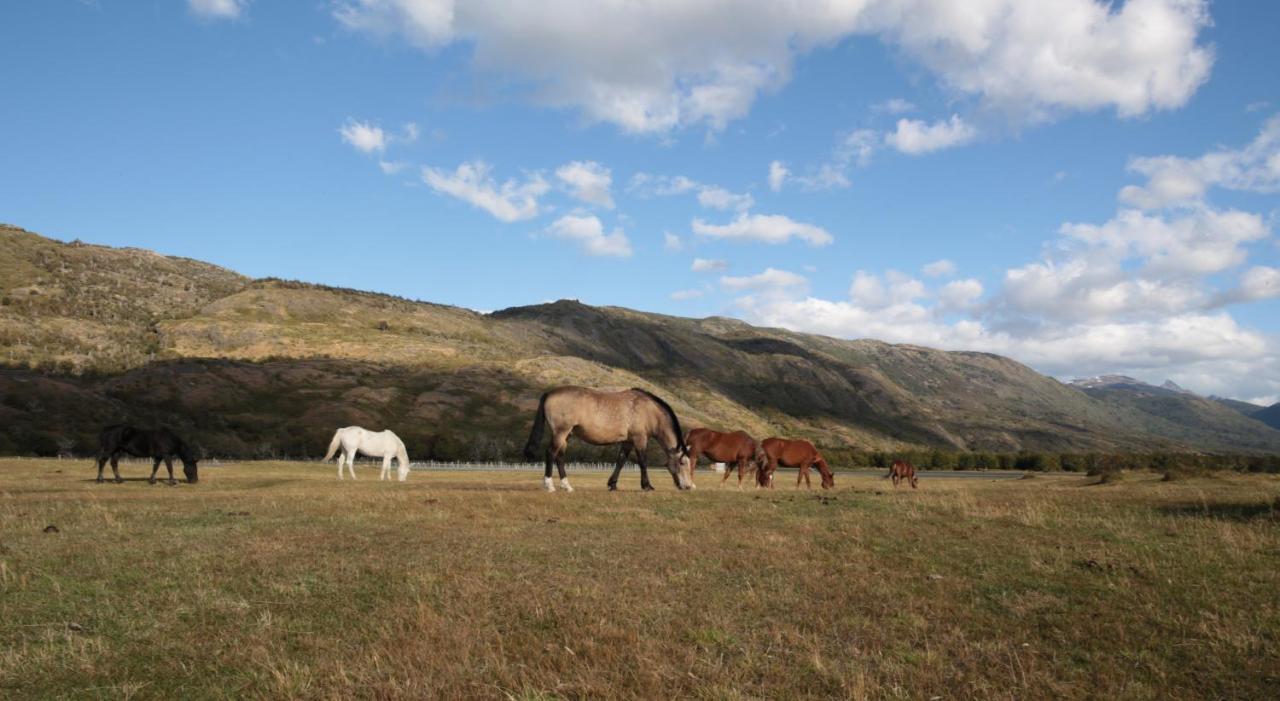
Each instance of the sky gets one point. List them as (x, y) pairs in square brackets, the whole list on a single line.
[(1087, 187)]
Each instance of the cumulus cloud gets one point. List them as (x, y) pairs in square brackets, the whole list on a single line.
[(853, 149), (766, 228), (471, 182), (588, 232), (588, 181), (392, 167), (705, 265), (894, 105), (655, 67), (217, 9), (681, 295), (1143, 293), (671, 242), (939, 268), (770, 284), (777, 175), (916, 137), (364, 136), (713, 197), (709, 196), (1175, 181)]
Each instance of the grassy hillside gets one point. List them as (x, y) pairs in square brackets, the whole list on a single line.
[(77, 307), (270, 367)]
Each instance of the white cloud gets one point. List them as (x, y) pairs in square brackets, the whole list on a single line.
[(588, 181), (709, 196), (771, 284), (1200, 242), (855, 148), (915, 137), (777, 175), (588, 232), (1143, 293), (654, 67), (392, 167), (894, 105), (681, 295), (939, 268), (767, 228), (671, 242), (1174, 181), (704, 265), (217, 9), (364, 136), (471, 182), (713, 197), (410, 134)]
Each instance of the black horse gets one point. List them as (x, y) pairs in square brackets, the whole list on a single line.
[(158, 444)]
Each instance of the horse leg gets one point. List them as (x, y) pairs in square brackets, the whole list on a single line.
[(800, 474), (555, 455), (155, 467), (115, 468), (645, 484), (342, 458), (564, 479), (168, 463), (102, 461), (807, 483), (386, 468), (351, 463), (617, 468), (729, 471)]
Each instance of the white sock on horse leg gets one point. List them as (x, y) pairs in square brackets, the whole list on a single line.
[(564, 484), (548, 484)]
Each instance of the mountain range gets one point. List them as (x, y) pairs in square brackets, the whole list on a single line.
[(91, 335)]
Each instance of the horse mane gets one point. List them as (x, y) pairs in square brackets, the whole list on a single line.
[(670, 412)]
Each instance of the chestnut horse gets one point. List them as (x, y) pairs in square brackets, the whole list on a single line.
[(628, 418), (797, 453), (729, 448), (902, 470)]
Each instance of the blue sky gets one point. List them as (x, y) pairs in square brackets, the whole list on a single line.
[(1084, 189)]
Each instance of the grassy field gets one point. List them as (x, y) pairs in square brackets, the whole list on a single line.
[(276, 580)]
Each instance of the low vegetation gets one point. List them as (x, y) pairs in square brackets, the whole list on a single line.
[(276, 580)]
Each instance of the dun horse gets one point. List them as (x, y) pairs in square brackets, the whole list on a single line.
[(159, 444), (902, 470), (375, 444), (628, 418), (797, 453), (735, 448)]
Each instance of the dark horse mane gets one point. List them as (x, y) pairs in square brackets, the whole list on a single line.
[(670, 412)]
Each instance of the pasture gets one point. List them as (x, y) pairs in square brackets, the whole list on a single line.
[(277, 580)]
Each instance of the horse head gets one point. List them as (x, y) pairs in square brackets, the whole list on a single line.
[(682, 467), (189, 467)]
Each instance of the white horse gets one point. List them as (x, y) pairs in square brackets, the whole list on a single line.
[(380, 444)]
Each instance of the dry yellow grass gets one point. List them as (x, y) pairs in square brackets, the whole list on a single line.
[(276, 580)]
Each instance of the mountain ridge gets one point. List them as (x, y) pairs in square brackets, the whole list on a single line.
[(459, 377)]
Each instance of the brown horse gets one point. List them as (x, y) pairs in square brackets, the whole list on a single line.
[(903, 470), (628, 418), (729, 448), (797, 453)]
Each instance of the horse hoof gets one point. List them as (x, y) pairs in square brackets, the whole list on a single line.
[(99, 480), (172, 482), (613, 487), (151, 481), (118, 480), (647, 487)]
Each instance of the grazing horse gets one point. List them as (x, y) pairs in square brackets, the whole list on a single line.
[(159, 444), (375, 444), (731, 449), (797, 453), (628, 418), (902, 470)]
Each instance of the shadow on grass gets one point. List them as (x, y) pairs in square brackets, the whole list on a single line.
[(1231, 511)]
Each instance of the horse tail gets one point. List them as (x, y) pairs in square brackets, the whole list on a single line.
[(675, 423), (539, 426), (333, 445)]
